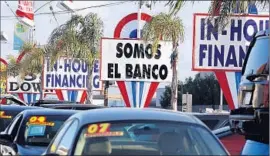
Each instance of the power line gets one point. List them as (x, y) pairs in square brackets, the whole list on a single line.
[(79, 9), (11, 10), (51, 8), (42, 6)]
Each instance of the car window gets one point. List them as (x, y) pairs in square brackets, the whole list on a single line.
[(5, 119), (67, 140), (14, 126), (150, 138), (210, 123), (59, 136), (203, 137), (40, 130), (63, 107), (258, 57)]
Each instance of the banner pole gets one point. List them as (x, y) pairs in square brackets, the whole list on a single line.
[(221, 100), (138, 36)]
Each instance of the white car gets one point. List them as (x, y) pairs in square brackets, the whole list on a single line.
[(11, 100)]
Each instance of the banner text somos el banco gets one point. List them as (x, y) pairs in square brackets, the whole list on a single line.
[(133, 60), (227, 49)]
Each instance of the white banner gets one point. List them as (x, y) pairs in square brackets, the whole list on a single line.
[(30, 84), (132, 60), (67, 74), (224, 51)]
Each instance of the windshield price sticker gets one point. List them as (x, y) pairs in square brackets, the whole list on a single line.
[(4, 116), (36, 130), (117, 133), (98, 128), (39, 120), (102, 129)]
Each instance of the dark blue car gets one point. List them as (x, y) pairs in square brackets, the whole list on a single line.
[(31, 131)]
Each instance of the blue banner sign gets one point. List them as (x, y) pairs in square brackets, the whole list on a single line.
[(67, 74), (96, 83), (21, 35), (224, 49)]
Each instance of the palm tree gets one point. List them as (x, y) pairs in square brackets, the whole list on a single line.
[(31, 62), (167, 27), (224, 7), (78, 38), (3, 78)]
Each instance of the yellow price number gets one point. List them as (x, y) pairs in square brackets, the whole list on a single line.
[(3, 115), (98, 128), (40, 120)]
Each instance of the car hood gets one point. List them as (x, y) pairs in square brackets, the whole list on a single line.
[(31, 150)]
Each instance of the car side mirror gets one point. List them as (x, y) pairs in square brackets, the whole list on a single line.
[(51, 154)]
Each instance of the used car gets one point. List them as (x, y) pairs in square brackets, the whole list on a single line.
[(31, 131), (8, 112), (104, 132), (8, 99)]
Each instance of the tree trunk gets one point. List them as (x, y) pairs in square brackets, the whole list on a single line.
[(89, 99), (174, 86), (40, 87)]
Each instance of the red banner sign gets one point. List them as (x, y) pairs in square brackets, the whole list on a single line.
[(25, 9)]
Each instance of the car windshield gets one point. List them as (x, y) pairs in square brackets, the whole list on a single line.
[(40, 130), (144, 138), (258, 57)]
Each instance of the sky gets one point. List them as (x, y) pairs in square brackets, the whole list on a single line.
[(111, 16)]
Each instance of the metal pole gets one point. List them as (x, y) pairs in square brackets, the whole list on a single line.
[(106, 93), (221, 100), (138, 36), (182, 92), (139, 19)]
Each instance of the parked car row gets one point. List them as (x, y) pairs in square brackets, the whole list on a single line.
[(103, 131)]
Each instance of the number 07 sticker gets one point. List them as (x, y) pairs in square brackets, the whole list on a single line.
[(98, 128), (102, 129)]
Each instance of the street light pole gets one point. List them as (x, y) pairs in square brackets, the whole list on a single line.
[(139, 19), (138, 36), (106, 93)]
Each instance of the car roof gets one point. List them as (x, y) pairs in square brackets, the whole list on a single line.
[(47, 111), (16, 107), (207, 114), (116, 114), (71, 105), (53, 101)]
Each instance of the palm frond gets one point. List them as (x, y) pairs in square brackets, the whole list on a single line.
[(176, 5), (163, 26), (31, 62), (228, 8), (78, 38)]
